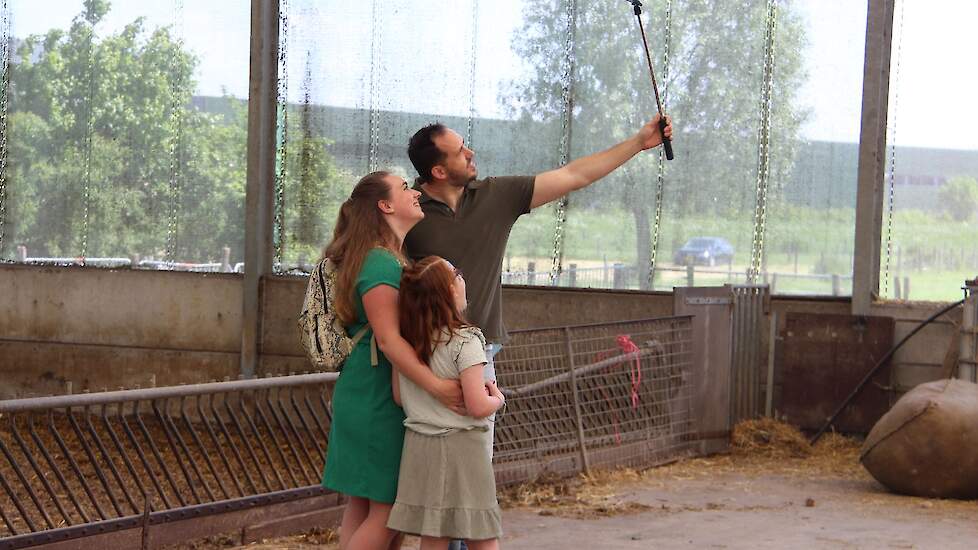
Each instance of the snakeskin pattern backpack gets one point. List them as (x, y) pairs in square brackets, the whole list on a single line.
[(320, 330)]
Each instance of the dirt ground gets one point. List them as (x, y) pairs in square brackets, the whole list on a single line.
[(767, 493)]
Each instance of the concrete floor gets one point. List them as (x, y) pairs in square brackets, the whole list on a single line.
[(728, 502)]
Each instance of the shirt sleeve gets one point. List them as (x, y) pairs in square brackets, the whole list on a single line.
[(380, 267), (472, 349), (516, 193)]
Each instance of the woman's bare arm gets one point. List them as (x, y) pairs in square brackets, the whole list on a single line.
[(380, 304)]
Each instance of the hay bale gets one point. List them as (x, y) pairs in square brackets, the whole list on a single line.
[(769, 437), (925, 445)]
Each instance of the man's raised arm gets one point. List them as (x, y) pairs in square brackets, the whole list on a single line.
[(584, 171)]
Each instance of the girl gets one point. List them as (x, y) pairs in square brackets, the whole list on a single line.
[(447, 488), (367, 431)]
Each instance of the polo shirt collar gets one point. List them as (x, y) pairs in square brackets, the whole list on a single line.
[(425, 197)]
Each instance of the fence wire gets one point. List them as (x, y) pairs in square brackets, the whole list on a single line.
[(616, 394)]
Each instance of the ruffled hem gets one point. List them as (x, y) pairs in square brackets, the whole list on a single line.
[(457, 523)]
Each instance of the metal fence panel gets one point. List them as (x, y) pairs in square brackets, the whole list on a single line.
[(614, 394)]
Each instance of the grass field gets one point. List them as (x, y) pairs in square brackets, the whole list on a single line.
[(804, 247)]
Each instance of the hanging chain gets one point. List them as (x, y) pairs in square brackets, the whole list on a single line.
[(4, 85), (661, 175), (176, 145), (89, 130), (567, 114), (304, 229), (473, 53), (892, 183), (764, 144), (282, 138), (374, 77)]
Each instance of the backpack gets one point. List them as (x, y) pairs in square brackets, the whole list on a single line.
[(321, 332)]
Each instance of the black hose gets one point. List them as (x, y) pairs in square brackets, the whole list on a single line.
[(877, 367)]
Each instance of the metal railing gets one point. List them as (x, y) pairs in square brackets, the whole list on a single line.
[(117, 463), (78, 465), (624, 277)]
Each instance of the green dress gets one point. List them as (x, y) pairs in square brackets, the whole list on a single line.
[(367, 433)]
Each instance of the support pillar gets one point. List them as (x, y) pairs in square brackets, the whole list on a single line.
[(260, 195)]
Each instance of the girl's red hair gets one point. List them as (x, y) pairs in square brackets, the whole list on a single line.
[(427, 305)]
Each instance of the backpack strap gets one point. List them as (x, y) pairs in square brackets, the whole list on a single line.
[(322, 277), (373, 344)]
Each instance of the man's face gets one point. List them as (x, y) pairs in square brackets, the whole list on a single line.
[(458, 165)]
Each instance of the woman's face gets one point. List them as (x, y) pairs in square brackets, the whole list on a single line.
[(458, 288), (403, 200)]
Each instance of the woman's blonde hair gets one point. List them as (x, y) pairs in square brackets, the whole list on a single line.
[(360, 227)]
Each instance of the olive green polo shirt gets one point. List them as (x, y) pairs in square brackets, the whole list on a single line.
[(474, 240)]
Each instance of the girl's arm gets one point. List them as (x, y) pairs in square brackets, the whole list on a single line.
[(477, 402), (380, 304)]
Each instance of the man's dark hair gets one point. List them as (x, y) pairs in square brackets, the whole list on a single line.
[(423, 152)]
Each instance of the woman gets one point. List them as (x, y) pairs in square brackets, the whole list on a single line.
[(367, 431)]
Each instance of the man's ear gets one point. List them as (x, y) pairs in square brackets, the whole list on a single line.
[(385, 206), (439, 172)]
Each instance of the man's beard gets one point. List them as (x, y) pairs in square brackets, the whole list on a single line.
[(463, 179)]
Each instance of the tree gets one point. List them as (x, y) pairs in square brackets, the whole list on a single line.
[(110, 156), (712, 90), (959, 198), (313, 186)]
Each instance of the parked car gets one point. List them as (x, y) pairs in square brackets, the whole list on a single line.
[(704, 250)]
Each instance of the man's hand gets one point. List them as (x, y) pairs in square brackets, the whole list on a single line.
[(449, 393), (650, 136)]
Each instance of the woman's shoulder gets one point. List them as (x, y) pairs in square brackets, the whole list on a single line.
[(381, 259), (381, 254)]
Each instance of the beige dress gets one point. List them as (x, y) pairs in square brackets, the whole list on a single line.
[(446, 485)]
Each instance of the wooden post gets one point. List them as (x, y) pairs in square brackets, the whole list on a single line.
[(21, 253), (836, 285), (906, 288), (531, 273), (690, 270), (896, 288), (585, 461), (572, 275), (774, 282), (619, 275)]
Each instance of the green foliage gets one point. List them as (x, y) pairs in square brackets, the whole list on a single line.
[(110, 158), (711, 85), (959, 198)]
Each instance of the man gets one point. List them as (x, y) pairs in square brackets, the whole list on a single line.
[(467, 221)]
